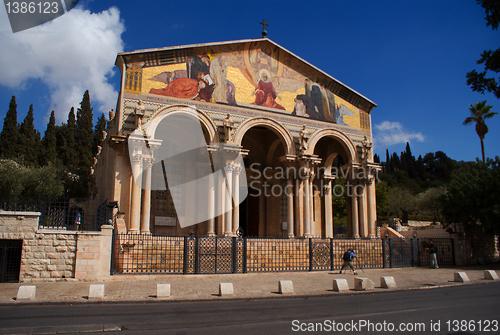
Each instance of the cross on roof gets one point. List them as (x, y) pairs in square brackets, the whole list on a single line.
[(264, 25)]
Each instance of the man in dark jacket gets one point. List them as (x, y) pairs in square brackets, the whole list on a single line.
[(348, 257), (433, 255)]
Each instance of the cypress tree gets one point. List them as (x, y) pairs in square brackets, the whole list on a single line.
[(69, 151), (29, 140), (100, 127), (9, 137), (387, 162), (49, 150), (84, 139)]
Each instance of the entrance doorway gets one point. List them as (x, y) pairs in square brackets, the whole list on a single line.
[(10, 260)]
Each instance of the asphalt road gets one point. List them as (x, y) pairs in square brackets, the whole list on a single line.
[(467, 309)]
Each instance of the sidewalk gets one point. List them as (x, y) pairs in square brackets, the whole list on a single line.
[(142, 288)]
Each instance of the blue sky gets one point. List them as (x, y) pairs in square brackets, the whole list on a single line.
[(410, 57)]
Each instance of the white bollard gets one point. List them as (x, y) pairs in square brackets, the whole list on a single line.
[(490, 275), (26, 293), (363, 284), (226, 289), (387, 282), (285, 287), (461, 277), (96, 291), (340, 285), (162, 290)]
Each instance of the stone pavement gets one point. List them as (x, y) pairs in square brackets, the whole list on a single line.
[(126, 288)]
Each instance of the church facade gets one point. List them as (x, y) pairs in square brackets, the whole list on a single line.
[(236, 137)]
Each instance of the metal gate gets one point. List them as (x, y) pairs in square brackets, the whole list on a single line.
[(400, 252), (320, 253), (215, 255), (10, 260)]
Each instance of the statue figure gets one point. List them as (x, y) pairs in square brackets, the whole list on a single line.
[(228, 124), (304, 137), (367, 147), (139, 112)]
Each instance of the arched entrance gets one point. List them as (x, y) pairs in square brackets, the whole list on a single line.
[(329, 188), (180, 157), (264, 212)]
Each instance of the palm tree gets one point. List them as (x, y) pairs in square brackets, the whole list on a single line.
[(480, 112)]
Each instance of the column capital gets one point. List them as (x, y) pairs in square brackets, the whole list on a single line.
[(148, 162), (137, 158)]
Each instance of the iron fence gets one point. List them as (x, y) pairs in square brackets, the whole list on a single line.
[(413, 252), (65, 213), (445, 251), (149, 254)]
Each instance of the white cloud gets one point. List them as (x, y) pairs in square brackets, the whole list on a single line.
[(389, 133), (70, 54)]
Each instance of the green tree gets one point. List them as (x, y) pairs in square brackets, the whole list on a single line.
[(402, 202), (12, 178), (100, 128), (29, 140), (480, 112), (339, 201), (472, 196), (429, 202), (84, 140), (484, 81), (49, 150), (9, 137), (382, 195), (22, 181), (65, 139)]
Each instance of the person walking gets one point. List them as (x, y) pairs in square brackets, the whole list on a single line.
[(348, 257), (433, 255)]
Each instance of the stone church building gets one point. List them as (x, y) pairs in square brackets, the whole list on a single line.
[(240, 136)]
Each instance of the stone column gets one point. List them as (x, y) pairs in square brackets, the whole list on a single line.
[(221, 197), (236, 199), (135, 203), (348, 205), (372, 209), (211, 206), (328, 208), (363, 223), (311, 203), (289, 198), (307, 206), (146, 195), (299, 210), (354, 212), (228, 215)]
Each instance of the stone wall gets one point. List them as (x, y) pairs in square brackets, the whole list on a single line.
[(51, 254)]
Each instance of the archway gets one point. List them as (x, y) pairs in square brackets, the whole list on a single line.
[(182, 157), (264, 210), (329, 192)]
